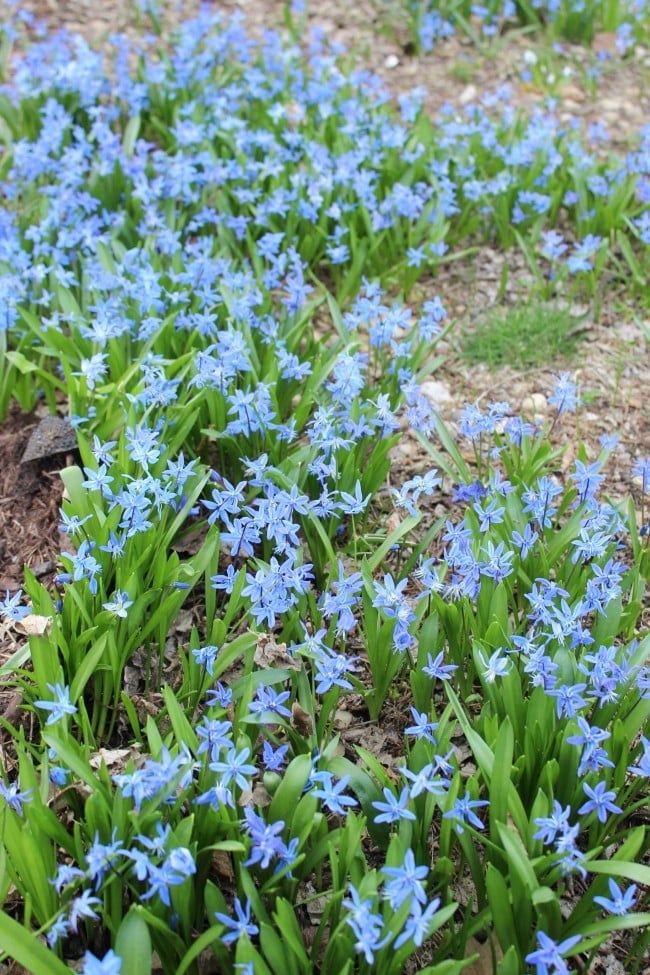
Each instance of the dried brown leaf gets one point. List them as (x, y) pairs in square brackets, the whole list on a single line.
[(301, 720), (484, 963), (269, 654), (34, 625), (258, 796)]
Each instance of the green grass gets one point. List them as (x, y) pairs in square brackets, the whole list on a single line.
[(522, 336)]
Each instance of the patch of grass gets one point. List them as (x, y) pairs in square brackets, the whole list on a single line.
[(465, 70), (523, 336)]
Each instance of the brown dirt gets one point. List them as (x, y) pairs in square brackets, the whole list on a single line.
[(30, 495)]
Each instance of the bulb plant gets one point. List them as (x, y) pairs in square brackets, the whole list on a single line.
[(209, 249)]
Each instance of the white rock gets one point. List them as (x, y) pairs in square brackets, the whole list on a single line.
[(535, 403), (436, 392), (391, 61), (468, 94)]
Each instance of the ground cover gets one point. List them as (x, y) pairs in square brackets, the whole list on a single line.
[(314, 670)]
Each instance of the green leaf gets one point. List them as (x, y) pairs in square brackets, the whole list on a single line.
[(22, 946), (182, 728), (5, 879), (71, 756), (275, 951), (16, 660), (379, 555), (501, 769), (485, 759), (229, 846), (285, 918), (366, 791), (87, 668), (35, 864), (637, 872), (73, 478), (212, 935), (133, 944), (458, 469), (510, 964), (518, 858), (500, 907), (21, 363), (290, 789), (594, 934), (173, 943), (130, 135)]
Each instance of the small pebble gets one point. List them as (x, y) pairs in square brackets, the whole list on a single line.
[(436, 392), (534, 404)]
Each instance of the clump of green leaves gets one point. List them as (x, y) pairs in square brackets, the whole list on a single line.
[(578, 21)]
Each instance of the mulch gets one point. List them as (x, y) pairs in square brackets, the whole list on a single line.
[(30, 496)]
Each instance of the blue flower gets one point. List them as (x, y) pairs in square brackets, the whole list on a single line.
[(462, 811), (269, 704), (418, 924), (274, 758), (599, 801), (266, 842), (13, 797), (59, 706), (205, 657), (82, 907), (239, 925), (388, 595), (11, 608), (548, 957), (101, 857), (366, 925), (405, 882), (118, 604), (497, 666), (234, 767), (565, 394), (395, 808), (110, 964), (353, 504), (437, 668), (620, 902), (549, 826), (641, 469), (331, 793)]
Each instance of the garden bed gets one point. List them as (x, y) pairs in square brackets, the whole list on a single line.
[(330, 652)]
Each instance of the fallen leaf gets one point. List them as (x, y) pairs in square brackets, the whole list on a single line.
[(34, 625), (113, 757), (342, 719), (604, 41), (255, 797), (315, 904), (269, 654), (221, 863), (300, 720), (483, 964)]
